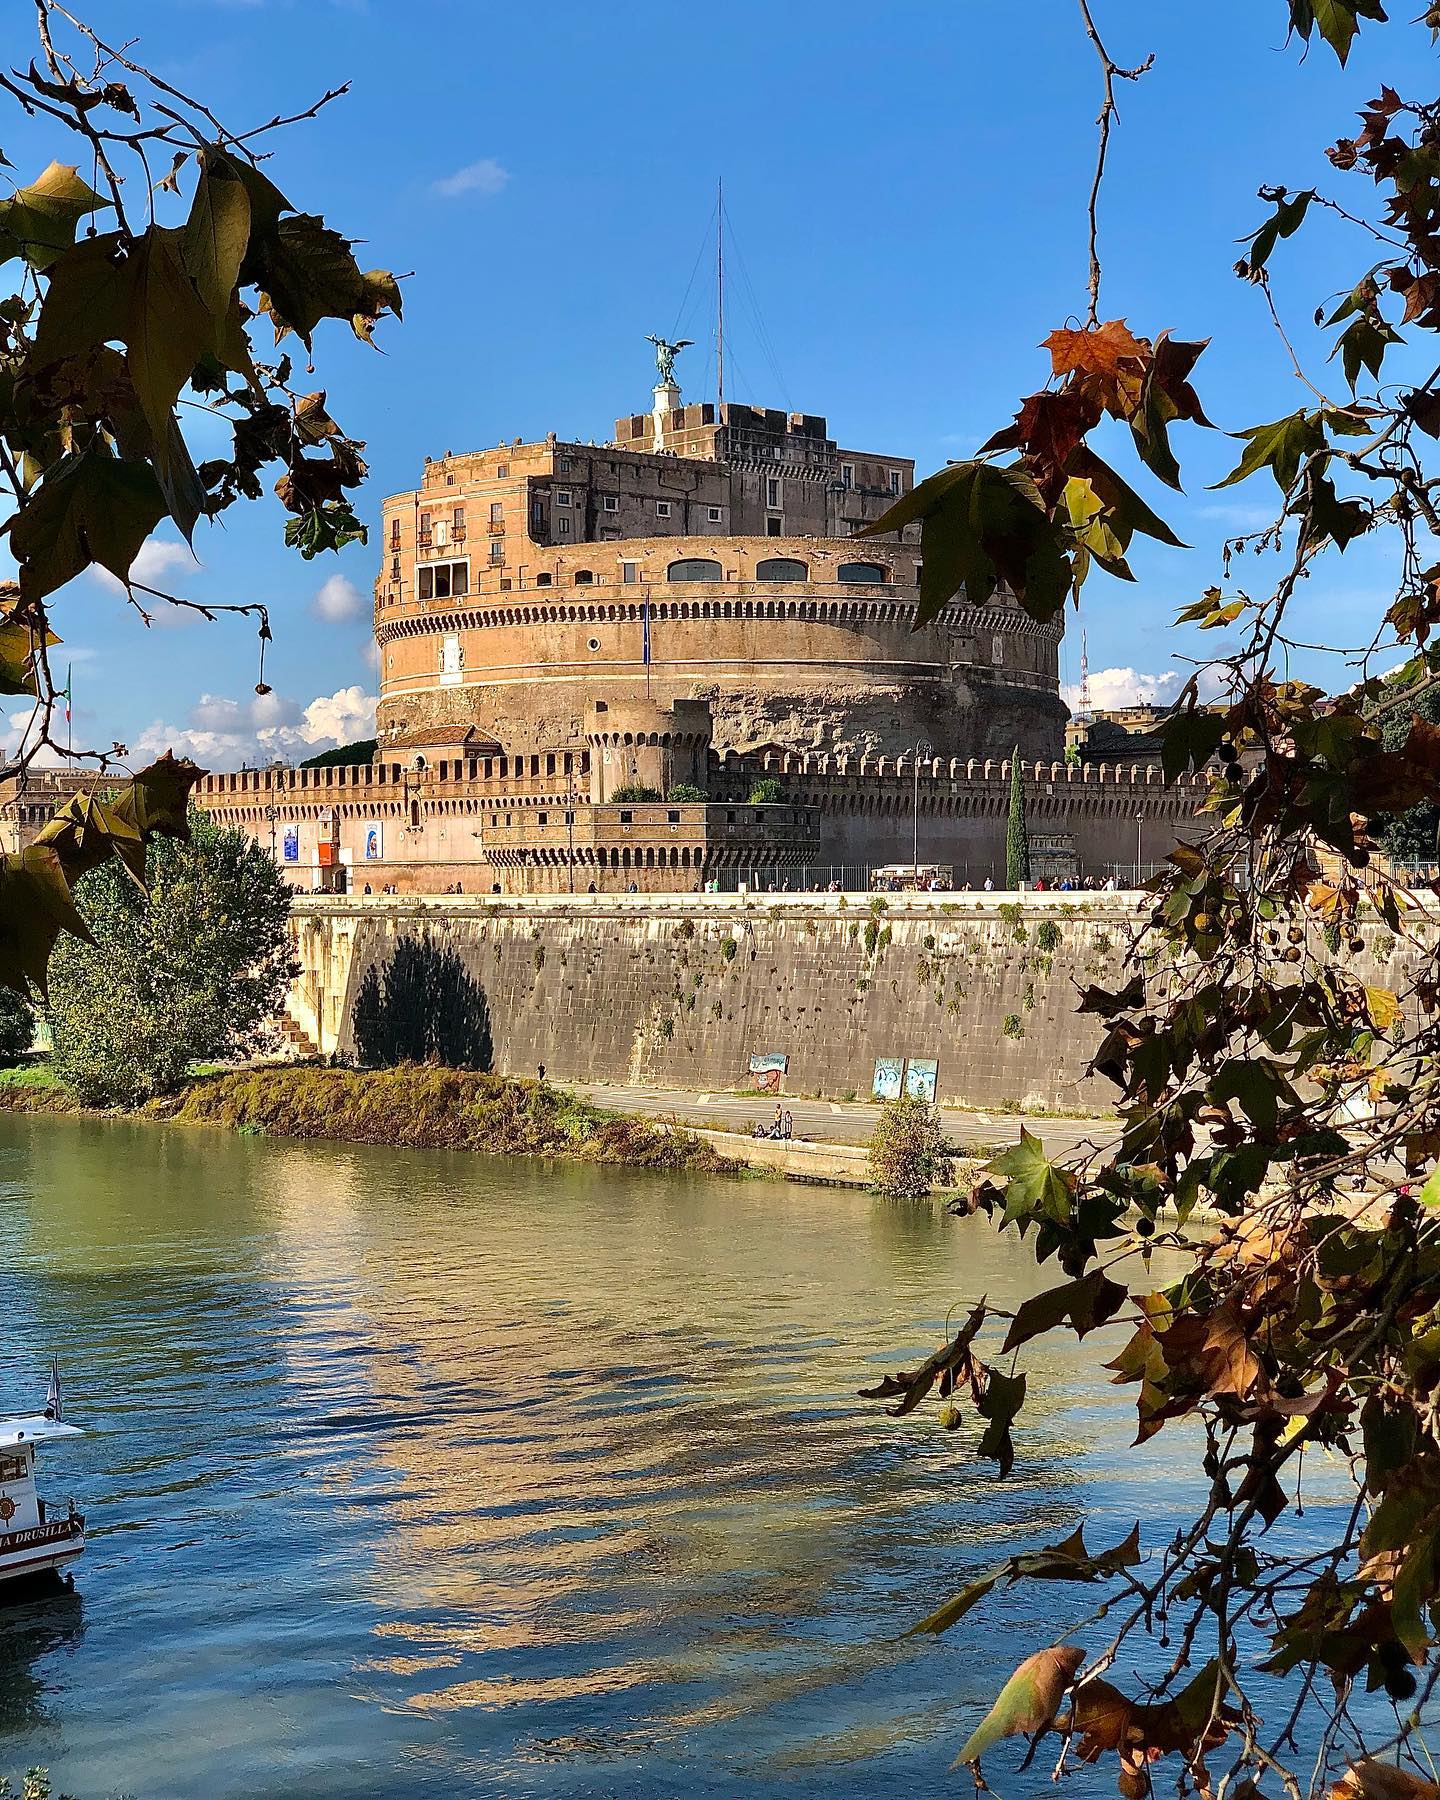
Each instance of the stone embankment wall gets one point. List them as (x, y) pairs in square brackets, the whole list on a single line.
[(680, 990)]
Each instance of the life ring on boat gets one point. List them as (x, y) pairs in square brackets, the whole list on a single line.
[(7, 1509)]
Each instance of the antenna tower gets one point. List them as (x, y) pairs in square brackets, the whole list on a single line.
[(719, 294), (1084, 678)]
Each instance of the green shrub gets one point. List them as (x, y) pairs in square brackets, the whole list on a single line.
[(634, 790), (766, 792), (194, 970), (908, 1152), (1047, 935), (686, 790), (728, 949), (1012, 1026), (872, 936)]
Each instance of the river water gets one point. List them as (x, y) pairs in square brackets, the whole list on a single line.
[(423, 1475)]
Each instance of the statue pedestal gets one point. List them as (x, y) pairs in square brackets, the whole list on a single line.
[(667, 399)]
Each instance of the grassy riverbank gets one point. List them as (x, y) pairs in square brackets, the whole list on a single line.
[(417, 1107)]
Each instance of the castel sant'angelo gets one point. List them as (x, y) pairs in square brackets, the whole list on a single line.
[(591, 655)]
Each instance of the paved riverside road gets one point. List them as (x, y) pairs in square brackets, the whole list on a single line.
[(836, 1121)]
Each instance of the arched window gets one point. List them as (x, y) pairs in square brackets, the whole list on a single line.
[(584, 577), (415, 815), (419, 762), (544, 580), (782, 568), (862, 571), (695, 568)]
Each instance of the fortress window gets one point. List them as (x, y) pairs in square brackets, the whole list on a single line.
[(562, 496), (662, 509), (497, 512), (593, 643), (439, 581), (673, 817), (894, 481), (713, 514), (695, 568), (395, 534), (562, 526), (501, 471), (542, 818), (564, 462), (862, 571), (584, 577), (544, 580), (610, 503), (847, 475), (625, 819), (629, 572), (782, 568), (497, 551), (772, 490), (773, 527)]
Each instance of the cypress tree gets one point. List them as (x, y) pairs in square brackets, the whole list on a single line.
[(1017, 842)]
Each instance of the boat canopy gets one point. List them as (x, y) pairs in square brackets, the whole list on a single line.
[(33, 1430)]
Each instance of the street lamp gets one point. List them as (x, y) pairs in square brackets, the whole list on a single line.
[(570, 834), (1138, 817), (272, 813), (921, 749)]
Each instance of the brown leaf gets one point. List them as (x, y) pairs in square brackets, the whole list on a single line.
[(1212, 1352), (1375, 1780)]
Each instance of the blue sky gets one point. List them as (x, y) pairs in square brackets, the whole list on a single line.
[(906, 187)]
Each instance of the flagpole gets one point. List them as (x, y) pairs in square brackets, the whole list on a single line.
[(69, 713)]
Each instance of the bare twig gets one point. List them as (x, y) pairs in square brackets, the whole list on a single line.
[(1110, 73)]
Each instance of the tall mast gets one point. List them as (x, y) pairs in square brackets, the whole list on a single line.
[(720, 294)]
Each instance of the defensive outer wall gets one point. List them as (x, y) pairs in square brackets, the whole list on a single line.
[(642, 989)]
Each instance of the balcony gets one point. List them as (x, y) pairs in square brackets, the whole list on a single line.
[(497, 528), (423, 540), (457, 534)]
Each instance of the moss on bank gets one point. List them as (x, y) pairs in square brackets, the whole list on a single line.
[(417, 1107)]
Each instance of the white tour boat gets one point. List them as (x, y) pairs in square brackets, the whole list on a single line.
[(34, 1537)]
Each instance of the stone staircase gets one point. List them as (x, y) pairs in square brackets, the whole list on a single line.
[(299, 1045)]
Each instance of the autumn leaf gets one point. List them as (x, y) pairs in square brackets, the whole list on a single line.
[(38, 222), (1086, 1304), (1372, 1779), (1028, 1702)]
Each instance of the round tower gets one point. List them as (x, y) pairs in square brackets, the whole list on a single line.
[(635, 743)]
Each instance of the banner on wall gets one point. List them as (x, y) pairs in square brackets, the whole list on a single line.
[(292, 843), (768, 1070), (374, 841), (917, 1077), (889, 1077)]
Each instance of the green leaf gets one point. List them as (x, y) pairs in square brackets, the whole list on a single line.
[(167, 332), (217, 232), (1362, 345), (1028, 1702), (1284, 222), (1002, 1399), (1032, 1182), (1065, 1561), (35, 907), (1085, 1303), (90, 508), (87, 301), (1281, 447), (982, 526), (38, 222)]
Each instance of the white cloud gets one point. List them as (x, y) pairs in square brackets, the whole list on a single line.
[(156, 558), (1114, 688), (222, 733), (370, 653), (485, 177), (338, 599)]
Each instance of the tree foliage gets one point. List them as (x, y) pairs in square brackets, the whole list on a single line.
[(1017, 838), (193, 970), (17, 1027), (139, 289), (767, 791), (1278, 1096)]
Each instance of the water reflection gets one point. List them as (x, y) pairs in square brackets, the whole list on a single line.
[(40, 1623), (511, 1478)]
